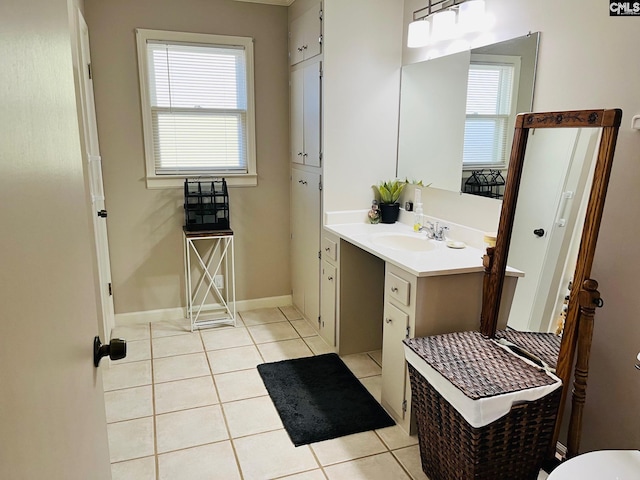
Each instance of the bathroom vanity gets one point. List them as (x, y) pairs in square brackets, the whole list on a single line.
[(384, 283)]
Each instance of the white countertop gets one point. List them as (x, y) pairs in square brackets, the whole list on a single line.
[(440, 260)]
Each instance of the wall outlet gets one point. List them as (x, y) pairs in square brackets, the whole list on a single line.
[(218, 281)]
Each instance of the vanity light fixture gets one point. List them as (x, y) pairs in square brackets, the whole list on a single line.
[(418, 34), (445, 20)]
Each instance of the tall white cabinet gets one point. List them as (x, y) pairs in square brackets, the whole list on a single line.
[(345, 59), (305, 58)]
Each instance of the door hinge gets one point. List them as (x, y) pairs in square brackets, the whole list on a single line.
[(320, 184), (320, 254), (318, 321), (404, 406), (320, 39), (110, 290), (89, 69), (408, 332), (320, 14)]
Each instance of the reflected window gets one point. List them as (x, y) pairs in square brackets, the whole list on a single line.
[(492, 91)]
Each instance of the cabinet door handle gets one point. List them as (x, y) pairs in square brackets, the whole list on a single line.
[(394, 289), (299, 49), (299, 154), (330, 279), (305, 155), (304, 47), (326, 249), (388, 320)]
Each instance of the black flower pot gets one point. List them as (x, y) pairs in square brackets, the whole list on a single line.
[(389, 212)]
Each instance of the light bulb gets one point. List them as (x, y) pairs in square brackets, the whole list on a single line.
[(471, 16), (418, 34), (444, 25)]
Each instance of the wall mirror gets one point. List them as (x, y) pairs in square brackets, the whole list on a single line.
[(457, 113), (574, 129)]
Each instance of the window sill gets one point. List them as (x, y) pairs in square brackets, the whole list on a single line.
[(246, 180)]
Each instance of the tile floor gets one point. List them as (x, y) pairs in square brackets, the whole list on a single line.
[(190, 406)]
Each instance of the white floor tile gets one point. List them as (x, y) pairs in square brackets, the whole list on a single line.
[(261, 316), (233, 359), (178, 368), (215, 461), (310, 475), (284, 350), (138, 469), (409, 457), (190, 428), (346, 448), (137, 350), (179, 345), (395, 437), (291, 312), (183, 394), (126, 375), (219, 339), (131, 332), (272, 455), (239, 385), (303, 328), (318, 346), (374, 386), (377, 467), (131, 439), (362, 365), (170, 328), (254, 415), (273, 332), (376, 356), (129, 403)]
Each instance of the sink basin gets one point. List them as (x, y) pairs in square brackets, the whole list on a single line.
[(399, 241), (600, 465)]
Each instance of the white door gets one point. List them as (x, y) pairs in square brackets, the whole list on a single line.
[(52, 413), (550, 192), (93, 164)]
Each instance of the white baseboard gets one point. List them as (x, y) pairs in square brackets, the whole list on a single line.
[(179, 313)]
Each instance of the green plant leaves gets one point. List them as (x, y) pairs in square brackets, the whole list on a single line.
[(389, 192)]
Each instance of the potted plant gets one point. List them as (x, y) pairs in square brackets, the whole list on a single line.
[(387, 194)]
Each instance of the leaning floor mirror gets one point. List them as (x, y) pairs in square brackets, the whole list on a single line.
[(574, 331)]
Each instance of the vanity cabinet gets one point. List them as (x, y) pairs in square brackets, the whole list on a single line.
[(305, 35), (418, 307), (305, 114), (305, 242), (329, 289)]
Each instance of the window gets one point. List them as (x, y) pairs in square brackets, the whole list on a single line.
[(197, 107), (491, 107)]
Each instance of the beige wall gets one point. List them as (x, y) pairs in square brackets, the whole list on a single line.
[(588, 60), (145, 226)]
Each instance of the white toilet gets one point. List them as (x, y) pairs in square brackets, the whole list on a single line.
[(600, 465)]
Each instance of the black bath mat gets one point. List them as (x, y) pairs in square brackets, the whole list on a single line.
[(318, 398)]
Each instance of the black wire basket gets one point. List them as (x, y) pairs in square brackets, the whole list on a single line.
[(206, 205)]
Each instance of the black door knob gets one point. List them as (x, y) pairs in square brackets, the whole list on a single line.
[(116, 350), (538, 232), (102, 213)]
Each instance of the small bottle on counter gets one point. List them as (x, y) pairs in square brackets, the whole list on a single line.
[(417, 217), (374, 213)]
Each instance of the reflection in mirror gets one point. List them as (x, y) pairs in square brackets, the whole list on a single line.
[(548, 223), (440, 96)]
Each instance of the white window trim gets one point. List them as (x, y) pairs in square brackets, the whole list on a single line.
[(169, 181), (514, 61)]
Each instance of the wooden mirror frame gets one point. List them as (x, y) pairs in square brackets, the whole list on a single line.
[(584, 296)]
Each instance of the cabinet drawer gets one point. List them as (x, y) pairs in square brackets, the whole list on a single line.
[(397, 288), (329, 249)]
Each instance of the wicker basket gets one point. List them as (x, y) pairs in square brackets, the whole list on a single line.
[(510, 448)]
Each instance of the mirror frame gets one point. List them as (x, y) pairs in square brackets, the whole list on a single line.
[(584, 296)]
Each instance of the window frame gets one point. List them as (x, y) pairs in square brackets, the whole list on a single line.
[(498, 60), (154, 180)]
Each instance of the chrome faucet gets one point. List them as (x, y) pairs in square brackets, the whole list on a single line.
[(435, 231)]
